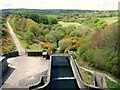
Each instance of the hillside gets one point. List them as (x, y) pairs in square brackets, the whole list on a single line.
[(6, 41), (93, 40), (98, 47), (101, 51)]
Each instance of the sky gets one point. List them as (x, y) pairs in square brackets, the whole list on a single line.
[(60, 4)]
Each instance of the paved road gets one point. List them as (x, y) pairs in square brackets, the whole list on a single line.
[(17, 43)]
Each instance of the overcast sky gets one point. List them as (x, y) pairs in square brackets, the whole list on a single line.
[(61, 4)]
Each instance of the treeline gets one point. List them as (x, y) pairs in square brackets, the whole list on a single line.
[(58, 11), (101, 50), (94, 23)]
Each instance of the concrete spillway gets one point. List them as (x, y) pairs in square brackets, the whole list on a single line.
[(62, 76)]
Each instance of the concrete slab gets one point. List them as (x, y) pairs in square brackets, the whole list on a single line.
[(25, 67)]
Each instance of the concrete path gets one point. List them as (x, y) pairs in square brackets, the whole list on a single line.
[(25, 67), (17, 43)]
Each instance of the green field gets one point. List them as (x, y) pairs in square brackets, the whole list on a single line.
[(66, 24), (87, 76)]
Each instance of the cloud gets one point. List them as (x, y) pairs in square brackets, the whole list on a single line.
[(61, 4)]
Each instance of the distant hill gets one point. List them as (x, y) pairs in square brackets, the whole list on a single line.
[(47, 11)]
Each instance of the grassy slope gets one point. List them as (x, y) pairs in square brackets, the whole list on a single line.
[(87, 76)]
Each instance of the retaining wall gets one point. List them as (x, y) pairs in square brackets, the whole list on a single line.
[(11, 54), (34, 53), (4, 64)]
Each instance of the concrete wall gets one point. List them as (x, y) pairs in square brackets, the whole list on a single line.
[(11, 54), (4, 64), (78, 76), (34, 53), (3, 68)]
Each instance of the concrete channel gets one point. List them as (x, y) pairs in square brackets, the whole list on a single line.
[(53, 81)]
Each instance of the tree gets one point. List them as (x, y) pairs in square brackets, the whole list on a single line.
[(49, 37), (41, 38), (64, 43), (52, 21), (43, 19), (34, 28), (46, 31), (29, 35), (35, 17), (75, 33), (69, 29)]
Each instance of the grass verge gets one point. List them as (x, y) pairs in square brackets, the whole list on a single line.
[(87, 76), (112, 85)]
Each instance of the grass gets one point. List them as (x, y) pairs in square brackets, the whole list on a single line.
[(66, 24), (87, 76), (112, 84), (88, 66)]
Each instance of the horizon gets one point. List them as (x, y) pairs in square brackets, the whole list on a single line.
[(54, 9), (100, 5)]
